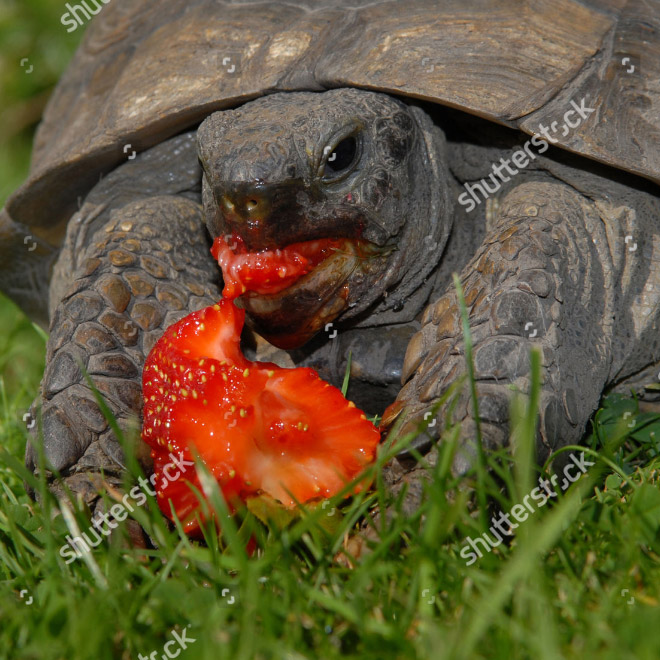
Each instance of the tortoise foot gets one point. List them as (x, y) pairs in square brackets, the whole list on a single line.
[(525, 288), (143, 269)]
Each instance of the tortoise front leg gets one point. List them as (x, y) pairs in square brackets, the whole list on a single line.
[(543, 277), (148, 266)]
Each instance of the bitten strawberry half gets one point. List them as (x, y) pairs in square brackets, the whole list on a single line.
[(257, 427)]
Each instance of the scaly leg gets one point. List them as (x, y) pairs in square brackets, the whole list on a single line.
[(145, 268), (543, 277)]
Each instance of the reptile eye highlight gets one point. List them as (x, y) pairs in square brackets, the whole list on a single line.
[(341, 159)]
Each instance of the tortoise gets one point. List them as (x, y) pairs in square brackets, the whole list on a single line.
[(513, 143)]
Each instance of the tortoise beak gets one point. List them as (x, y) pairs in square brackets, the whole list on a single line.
[(271, 216), (265, 216), (292, 317)]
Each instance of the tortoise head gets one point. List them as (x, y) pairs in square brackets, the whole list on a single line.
[(341, 164)]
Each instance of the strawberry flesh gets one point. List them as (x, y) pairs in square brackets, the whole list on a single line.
[(257, 427), (268, 271)]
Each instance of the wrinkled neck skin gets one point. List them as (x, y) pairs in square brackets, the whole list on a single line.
[(424, 234)]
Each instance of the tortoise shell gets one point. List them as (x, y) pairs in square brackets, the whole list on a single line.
[(150, 69)]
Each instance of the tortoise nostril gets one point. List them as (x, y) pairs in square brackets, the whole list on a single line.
[(242, 203)]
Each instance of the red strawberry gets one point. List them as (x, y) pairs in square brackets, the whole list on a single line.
[(257, 427), (268, 271)]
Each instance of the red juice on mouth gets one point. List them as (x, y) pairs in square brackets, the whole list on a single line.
[(268, 271)]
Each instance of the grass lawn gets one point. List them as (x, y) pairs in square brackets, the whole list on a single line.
[(580, 579)]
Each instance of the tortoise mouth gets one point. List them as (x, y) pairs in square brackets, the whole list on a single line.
[(292, 292)]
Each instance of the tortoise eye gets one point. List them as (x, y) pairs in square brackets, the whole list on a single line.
[(341, 158)]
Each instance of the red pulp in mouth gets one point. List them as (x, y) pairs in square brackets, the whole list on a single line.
[(268, 271)]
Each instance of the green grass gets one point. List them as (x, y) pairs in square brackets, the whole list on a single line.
[(580, 580)]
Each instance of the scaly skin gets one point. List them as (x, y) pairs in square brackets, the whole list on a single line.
[(553, 264), (130, 276), (553, 272), (127, 287), (531, 284)]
